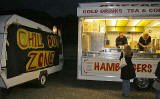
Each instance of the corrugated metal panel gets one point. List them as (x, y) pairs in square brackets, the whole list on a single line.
[(3, 21)]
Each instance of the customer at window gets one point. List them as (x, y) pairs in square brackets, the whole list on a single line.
[(128, 71)]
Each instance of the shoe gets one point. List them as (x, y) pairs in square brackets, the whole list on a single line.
[(124, 95)]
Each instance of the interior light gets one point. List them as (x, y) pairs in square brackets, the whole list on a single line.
[(156, 24), (136, 22), (133, 29), (102, 28), (114, 22), (54, 29), (144, 22), (153, 23), (89, 20)]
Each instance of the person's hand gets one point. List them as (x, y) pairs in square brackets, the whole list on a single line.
[(144, 46), (148, 46)]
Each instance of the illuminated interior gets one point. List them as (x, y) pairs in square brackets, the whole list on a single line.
[(101, 33)]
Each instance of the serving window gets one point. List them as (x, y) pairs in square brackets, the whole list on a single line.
[(99, 34)]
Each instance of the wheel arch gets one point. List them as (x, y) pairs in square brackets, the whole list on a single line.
[(44, 72)]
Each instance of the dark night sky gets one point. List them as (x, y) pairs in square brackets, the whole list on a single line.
[(52, 7)]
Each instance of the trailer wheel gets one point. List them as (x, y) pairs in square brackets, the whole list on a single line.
[(42, 80), (141, 83)]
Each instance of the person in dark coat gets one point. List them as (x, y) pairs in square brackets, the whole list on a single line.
[(157, 74), (121, 40), (128, 71)]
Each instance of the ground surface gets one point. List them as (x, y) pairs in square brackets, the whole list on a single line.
[(64, 85)]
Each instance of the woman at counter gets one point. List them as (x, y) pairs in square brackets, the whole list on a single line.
[(144, 41), (127, 72)]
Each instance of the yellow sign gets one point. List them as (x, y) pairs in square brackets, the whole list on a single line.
[(53, 41), (40, 59), (27, 39)]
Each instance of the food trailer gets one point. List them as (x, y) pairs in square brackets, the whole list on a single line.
[(28, 51), (99, 25)]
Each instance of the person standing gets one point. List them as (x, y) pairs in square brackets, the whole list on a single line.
[(121, 40), (128, 71), (157, 74)]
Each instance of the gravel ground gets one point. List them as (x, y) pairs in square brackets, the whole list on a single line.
[(64, 85), (69, 88)]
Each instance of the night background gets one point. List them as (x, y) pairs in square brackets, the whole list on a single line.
[(63, 14)]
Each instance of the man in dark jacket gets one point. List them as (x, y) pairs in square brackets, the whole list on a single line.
[(121, 40), (157, 74)]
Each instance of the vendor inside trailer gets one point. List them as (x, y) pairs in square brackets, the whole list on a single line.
[(99, 34), (121, 40), (144, 42)]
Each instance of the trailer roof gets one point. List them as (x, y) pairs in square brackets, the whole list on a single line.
[(102, 9), (119, 4), (5, 20)]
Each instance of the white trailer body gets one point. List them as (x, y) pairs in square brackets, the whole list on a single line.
[(99, 25), (5, 22)]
